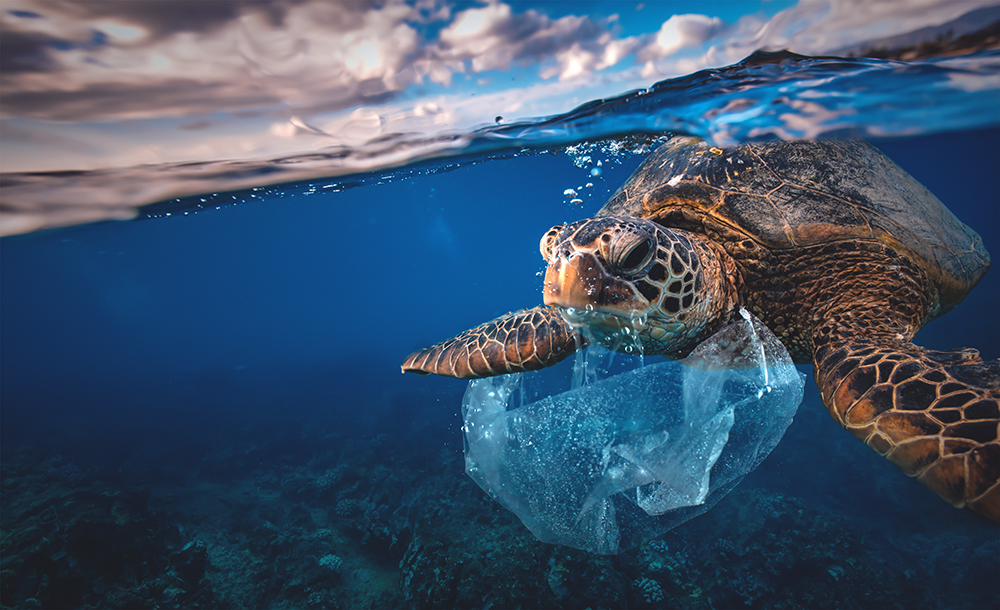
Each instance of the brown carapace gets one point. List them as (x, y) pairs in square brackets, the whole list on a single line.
[(839, 251)]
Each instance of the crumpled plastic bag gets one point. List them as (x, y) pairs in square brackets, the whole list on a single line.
[(605, 466)]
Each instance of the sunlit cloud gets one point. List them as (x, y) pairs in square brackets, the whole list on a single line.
[(495, 38), (682, 31), (310, 57)]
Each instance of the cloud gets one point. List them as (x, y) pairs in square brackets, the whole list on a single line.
[(174, 96), (22, 52), (682, 31), (493, 37), (303, 56), (86, 61), (160, 19)]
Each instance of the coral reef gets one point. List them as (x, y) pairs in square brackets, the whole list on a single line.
[(69, 540), (650, 590), (332, 562), (320, 520)]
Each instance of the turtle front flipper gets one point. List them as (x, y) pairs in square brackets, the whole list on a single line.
[(525, 340), (932, 414)]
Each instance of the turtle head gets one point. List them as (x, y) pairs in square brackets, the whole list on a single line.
[(629, 284)]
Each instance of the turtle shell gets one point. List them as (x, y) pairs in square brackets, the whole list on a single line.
[(802, 193)]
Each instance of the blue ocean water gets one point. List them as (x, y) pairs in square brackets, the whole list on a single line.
[(206, 409)]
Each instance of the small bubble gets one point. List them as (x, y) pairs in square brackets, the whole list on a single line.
[(590, 185), (596, 172), (576, 201), (569, 193)]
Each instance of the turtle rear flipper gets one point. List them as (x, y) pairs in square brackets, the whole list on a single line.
[(933, 414), (525, 340)]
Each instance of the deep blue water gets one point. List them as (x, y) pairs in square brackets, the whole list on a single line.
[(209, 370)]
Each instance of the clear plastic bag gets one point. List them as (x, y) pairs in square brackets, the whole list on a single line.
[(612, 463)]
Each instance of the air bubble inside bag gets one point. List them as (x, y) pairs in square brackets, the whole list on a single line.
[(608, 465)]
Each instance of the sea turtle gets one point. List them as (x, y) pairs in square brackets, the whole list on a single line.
[(839, 251)]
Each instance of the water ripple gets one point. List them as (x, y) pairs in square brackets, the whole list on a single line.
[(766, 96)]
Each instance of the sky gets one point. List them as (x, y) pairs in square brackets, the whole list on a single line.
[(92, 84)]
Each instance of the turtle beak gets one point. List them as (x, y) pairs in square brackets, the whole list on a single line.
[(570, 281), (579, 281)]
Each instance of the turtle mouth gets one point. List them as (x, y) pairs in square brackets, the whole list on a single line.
[(590, 317), (601, 306), (610, 329)]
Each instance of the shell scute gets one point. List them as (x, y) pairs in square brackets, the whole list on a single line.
[(796, 194)]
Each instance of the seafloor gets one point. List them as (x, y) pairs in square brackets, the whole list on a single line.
[(306, 515)]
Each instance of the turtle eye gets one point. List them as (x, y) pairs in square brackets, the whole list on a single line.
[(635, 258)]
